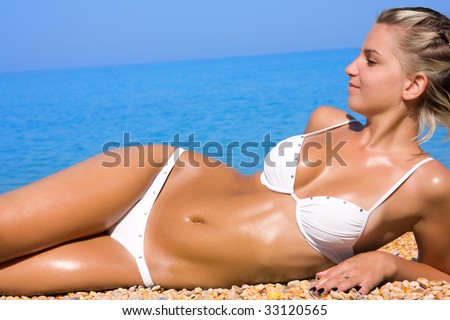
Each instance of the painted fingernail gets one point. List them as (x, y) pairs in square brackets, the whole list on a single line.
[(313, 289), (334, 289), (320, 291)]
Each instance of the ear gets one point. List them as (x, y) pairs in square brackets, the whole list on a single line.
[(415, 85)]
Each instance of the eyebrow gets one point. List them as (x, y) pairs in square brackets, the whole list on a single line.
[(367, 51)]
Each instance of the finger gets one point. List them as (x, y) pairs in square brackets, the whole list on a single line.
[(348, 284), (321, 274), (336, 281), (325, 272), (366, 287), (326, 284)]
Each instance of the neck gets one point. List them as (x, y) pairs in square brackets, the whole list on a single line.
[(387, 133)]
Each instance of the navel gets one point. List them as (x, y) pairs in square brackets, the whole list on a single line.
[(195, 219)]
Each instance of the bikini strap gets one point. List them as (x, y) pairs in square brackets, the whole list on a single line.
[(329, 128), (293, 195), (290, 171), (398, 184), (146, 202)]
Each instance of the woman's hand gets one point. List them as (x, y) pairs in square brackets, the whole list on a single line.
[(365, 270)]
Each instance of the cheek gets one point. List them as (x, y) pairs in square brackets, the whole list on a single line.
[(387, 89), (393, 90), (378, 90), (382, 86)]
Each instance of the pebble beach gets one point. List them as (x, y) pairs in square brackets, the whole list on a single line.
[(405, 246)]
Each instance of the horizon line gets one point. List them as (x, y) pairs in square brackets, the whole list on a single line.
[(164, 61)]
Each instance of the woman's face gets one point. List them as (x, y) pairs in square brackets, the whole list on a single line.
[(377, 78)]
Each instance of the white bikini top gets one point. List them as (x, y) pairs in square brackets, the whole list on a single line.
[(330, 225)]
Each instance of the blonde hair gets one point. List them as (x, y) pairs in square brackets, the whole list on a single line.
[(424, 40)]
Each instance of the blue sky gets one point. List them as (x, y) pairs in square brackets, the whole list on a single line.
[(52, 34)]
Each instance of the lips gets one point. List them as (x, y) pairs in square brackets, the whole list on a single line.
[(352, 85)]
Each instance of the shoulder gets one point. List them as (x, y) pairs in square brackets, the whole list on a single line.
[(433, 179), (326, 116)]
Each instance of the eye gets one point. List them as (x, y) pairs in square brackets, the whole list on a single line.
[(370, 62)]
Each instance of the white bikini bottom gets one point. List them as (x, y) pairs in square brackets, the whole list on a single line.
[(130, 230)]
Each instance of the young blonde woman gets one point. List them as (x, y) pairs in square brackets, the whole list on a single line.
[(187, 223)]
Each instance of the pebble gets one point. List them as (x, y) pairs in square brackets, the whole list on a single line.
[(337, 295), (420, 289), (424, 283)]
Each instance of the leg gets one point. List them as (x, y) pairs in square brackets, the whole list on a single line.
[(96, 263), (80, 201)]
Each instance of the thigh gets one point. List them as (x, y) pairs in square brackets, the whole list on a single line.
[(80, 201), (96, 263)]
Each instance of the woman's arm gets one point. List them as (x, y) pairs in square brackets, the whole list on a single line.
[(432, 233), (367, 270)]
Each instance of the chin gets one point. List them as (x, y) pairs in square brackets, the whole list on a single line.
[(354, 106), (357, 108)]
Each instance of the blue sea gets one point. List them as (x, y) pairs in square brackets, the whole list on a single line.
[(231, 108)]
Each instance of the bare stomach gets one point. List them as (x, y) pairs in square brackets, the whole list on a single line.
[(212, 227)]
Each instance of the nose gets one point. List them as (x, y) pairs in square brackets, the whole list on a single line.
[(351, 69)]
